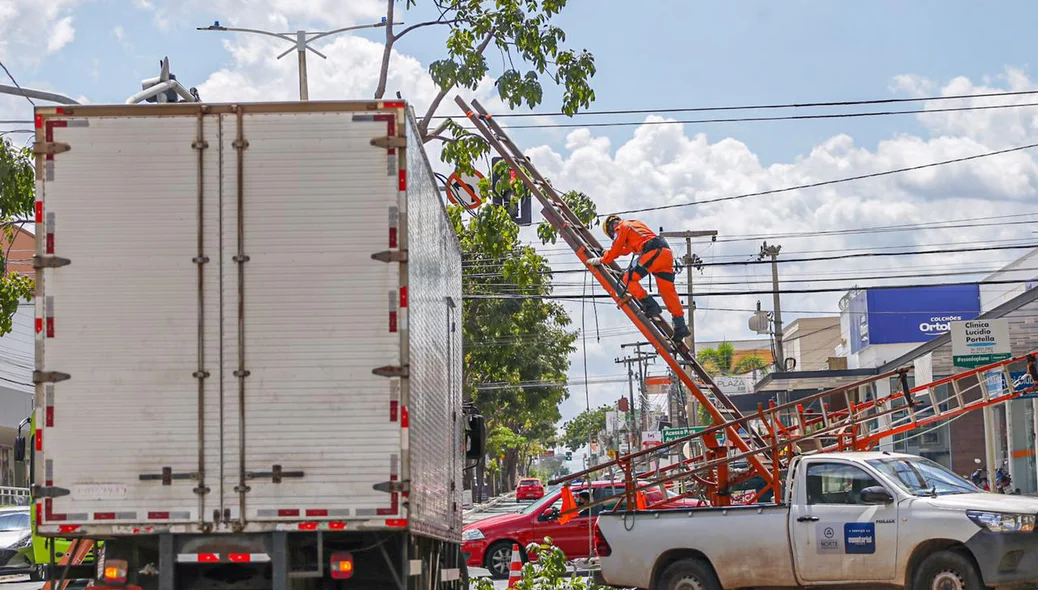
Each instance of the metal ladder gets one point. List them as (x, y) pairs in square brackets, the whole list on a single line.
[(657, 331)]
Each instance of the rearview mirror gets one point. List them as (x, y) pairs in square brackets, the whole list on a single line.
[(876, 495), (19, 449)]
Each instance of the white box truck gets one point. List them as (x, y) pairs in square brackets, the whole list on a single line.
[(248, 363)]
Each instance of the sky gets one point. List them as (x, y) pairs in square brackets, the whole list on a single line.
[(669, 54)]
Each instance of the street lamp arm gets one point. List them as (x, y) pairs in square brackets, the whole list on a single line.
[(37, 94), (344, 29), (284, 36)]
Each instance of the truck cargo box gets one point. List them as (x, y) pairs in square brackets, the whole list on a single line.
[(247, 319)]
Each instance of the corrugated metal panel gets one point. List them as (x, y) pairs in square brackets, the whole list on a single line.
[(317, 197), (435, 306), (123, 206)]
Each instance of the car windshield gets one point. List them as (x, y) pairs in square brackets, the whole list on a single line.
[(549, 498), (923, 477)]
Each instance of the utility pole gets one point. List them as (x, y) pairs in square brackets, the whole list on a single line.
[(691, 261), (773, 252), (637, 358), (301, 40)]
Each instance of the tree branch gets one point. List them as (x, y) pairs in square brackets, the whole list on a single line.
[(423, 127), (425, 24), (387, 52)]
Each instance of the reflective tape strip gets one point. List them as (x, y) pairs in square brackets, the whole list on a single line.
[(248, 557), (392, 312), (198, 557), (450, 575), (49, 236), (49, 315), (394, 223)]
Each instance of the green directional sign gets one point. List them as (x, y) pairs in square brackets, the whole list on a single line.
[(672, 434)]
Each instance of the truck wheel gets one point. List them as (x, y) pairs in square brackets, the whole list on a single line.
[(38, 573), (689, 574), (498, 559), (947, 570)]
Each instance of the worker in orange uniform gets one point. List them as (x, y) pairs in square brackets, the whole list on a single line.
[(654, 257)]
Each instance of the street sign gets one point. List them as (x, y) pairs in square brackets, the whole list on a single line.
[(670, 434), (976, 343)]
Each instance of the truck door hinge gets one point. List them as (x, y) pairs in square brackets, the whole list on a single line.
[(49, 376), (390, 256), (49, 491), (43, 148), (391, 487), (390, 141), (391, 371), (167, 476), (49, 261)]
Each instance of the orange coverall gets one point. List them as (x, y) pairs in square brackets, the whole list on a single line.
[(631, 238)]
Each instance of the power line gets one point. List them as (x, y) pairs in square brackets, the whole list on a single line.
[(773, 118), (794, 105), (814, 258), (762, 291), (835, 181), (16, 84)]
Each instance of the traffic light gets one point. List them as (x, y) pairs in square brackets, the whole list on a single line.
[(569, 456), (502, 193)]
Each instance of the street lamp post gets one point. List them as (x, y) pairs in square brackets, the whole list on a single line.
[(301, 39)]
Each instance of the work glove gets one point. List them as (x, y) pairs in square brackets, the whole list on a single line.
[(594, 261)]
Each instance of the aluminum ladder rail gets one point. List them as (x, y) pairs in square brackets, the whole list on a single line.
[(657, 331)]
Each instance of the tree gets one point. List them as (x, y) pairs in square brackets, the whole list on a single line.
[(523, 32), (516, 350), (585, 427), (17, 197), (721, 361)]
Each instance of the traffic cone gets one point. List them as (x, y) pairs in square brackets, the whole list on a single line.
[(515, 571)]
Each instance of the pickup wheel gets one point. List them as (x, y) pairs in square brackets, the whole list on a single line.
[(688, 574), (947, 570)]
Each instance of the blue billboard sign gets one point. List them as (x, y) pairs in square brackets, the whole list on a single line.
[(858, 309), (918, 314)]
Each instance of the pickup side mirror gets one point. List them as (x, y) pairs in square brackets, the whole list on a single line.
[(19, 449), (876, 495)]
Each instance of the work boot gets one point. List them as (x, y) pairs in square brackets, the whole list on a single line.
[(650, 307), (680, 329)]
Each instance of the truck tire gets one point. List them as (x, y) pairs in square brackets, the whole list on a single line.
[(38, 573), (498, 559), (688, 574), (947, 570)]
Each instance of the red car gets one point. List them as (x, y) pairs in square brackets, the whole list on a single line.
[(488, 543), (529, 488)]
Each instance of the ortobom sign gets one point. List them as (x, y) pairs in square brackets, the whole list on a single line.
[(976, 343)]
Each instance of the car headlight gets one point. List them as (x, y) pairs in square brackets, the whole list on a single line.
[(22, 543), (998, 522), (472, 535)]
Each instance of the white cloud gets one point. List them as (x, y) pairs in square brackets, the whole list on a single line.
[(24, 22), (119, 33), (61, 35)]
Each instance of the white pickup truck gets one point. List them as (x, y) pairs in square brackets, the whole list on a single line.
[(849, 519)]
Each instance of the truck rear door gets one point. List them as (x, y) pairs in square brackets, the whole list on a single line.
[(209, 315)]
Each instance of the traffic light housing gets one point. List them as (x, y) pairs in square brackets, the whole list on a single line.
[(569, 455), (500, 177)]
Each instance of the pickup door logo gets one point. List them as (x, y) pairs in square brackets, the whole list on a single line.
[(829, 542), (860, 537)]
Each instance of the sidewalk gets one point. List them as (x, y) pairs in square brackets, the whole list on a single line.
[(489, 503)]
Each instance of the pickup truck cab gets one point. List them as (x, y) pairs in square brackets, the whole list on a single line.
[(870, 519)]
